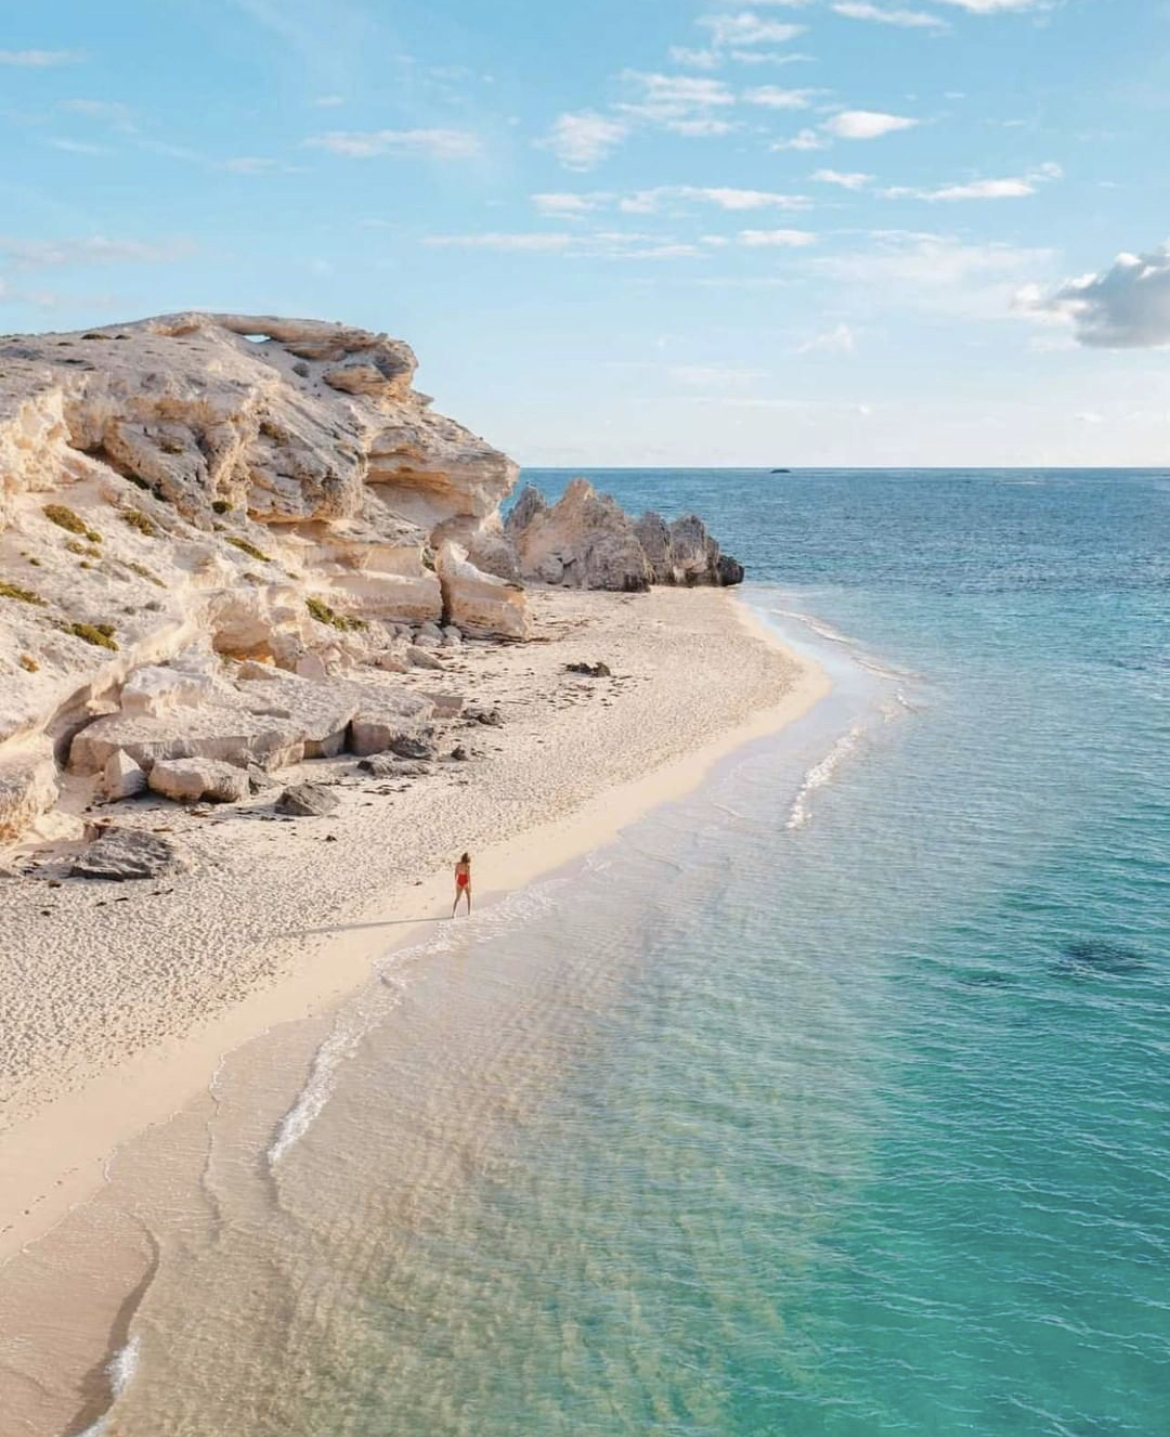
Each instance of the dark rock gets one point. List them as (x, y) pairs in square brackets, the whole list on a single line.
[(306, 800), (592, 671), (384, 766), (459, 754), (728, 571), (409, 747), (122, 853), (493, 718), (259, 778)]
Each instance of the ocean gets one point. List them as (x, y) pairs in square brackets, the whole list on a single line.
[(830, 1101)]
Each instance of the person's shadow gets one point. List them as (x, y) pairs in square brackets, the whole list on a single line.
[(355, 927)]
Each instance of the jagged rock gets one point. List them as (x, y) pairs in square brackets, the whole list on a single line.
[(28, 787), (452, 637), (729, 571), (125, 853), (121, 777), (592, 671), (428, 641), (154, 690), (480, 604), (189, 780), (375, 734), (446, 706), (307, 800), (392, 663), (587, 541), (491, 717)]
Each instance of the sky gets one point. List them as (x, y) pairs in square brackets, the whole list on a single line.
[(633, 232)]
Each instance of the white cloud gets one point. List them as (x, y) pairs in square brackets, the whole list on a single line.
[(839, 340), (935, 273), (866, 124), (805, 140), (583, 139), (850, 181), (1124, 307), (995, 7), (771, 97), (568, 206), (1012, 188), (94, 249), (748, 28), (768, 57), (714, 376), (601, 244), (696, 59), (369, 144), (40, 59), (527, 242), (907, 19), (677, 94), (776, 239), (724, 197)]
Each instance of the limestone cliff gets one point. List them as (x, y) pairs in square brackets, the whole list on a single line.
[(264, 488)]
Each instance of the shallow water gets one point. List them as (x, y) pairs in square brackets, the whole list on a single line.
[(833, 1101)]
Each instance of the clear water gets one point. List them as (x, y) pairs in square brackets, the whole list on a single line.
[(831, 1102)]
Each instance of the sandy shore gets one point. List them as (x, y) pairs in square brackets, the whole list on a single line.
[(120, 999)]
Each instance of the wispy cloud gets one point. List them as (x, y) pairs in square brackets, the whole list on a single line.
[(845, 181), (803, 140), (79, 147), (997, 7), (771, 97), (748, 28), (370, 144), (1124, 307), (93, 249), (776, 239), (40, 59), (105, 112), (907, 19), (723, 197), (570, 206), (838, 340), (866, 124), (581, 140), (598, 244), (1011, 188)]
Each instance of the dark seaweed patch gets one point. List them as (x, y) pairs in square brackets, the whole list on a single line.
[(1099, 955)]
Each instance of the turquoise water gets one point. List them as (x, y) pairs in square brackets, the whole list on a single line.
[(831, 1102)]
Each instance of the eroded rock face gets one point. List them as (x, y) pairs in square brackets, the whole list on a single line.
[(587, 541), (477, 603), (187, 780), (272, 487)]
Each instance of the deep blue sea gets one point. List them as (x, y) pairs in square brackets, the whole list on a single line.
[(832, 1101)]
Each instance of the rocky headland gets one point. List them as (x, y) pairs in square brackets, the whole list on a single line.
[(232, 543)]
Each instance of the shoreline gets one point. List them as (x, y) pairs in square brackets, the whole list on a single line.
[(42, 1186)]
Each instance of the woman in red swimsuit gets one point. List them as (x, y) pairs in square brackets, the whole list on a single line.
[(462, 884)]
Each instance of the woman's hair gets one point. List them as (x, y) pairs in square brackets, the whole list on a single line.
[(466, 858)]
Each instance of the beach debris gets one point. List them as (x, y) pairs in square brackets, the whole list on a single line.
[(127, 853), (592, 671), (306, 800), (193, 779)]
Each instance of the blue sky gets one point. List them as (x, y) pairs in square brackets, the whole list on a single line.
[(633, 231)]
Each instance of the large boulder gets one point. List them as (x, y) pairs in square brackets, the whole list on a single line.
[(28, 787), (122, 777), (125, 853), (585, 541), (479, 604), (307, 800), (188, 780)]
